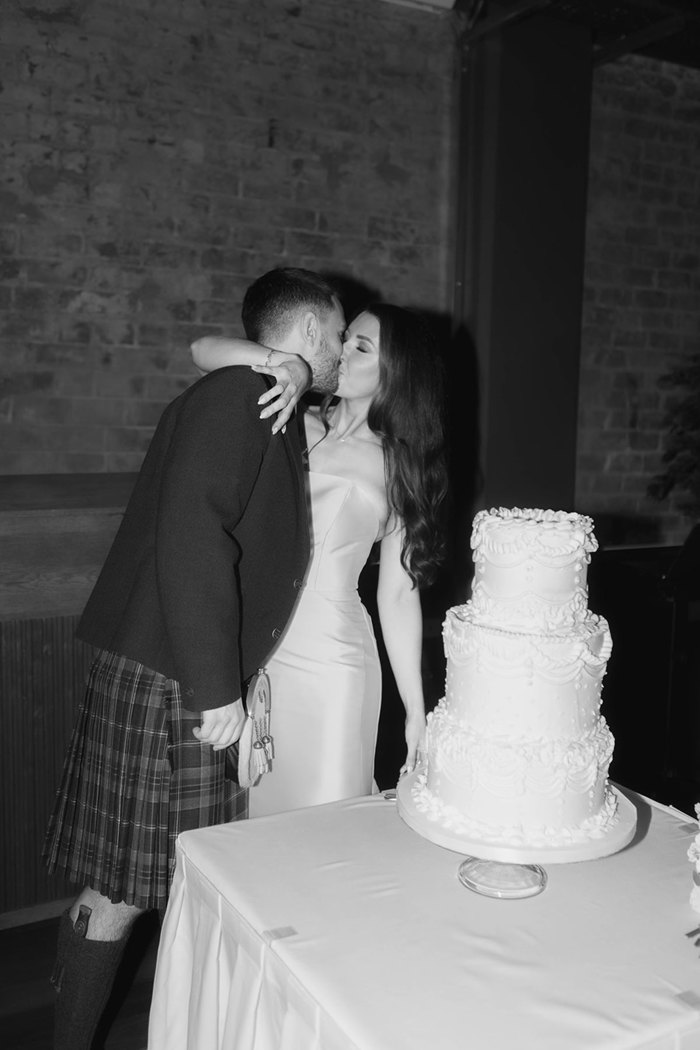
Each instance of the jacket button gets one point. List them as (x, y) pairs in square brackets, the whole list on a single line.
[(297, 584), (276, 633)]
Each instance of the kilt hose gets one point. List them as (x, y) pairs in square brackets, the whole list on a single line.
[(134, 778)]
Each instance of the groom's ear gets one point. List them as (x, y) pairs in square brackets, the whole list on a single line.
[(310, 327)]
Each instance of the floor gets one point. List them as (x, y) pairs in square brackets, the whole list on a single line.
[(26, 996)]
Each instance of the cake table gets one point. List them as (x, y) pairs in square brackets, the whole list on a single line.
[(339, 928)]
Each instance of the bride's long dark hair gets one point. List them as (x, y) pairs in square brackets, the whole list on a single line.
[(408, 415)]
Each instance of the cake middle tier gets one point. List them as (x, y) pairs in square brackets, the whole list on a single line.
[(518, 685)]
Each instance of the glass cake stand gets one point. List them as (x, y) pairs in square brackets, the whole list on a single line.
[(508, 872), (495, 878)]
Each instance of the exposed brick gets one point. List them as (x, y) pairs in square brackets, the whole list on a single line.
[(316, 245), (183, 310), (164, 388), (629, 339), (122, 462), (79, 439), (657, 312), (230, 261), (225, 314), (143, 413), (648, 298), (159, 156), (645, 441), (624, 462), (119, 384), (79, 463), (127, 439), (153, 335)]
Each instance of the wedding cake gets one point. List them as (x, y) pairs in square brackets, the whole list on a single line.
[(517, 752)]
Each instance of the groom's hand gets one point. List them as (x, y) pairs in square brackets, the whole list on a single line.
[(221, 726)]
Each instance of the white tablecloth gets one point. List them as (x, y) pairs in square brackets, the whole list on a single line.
[(339, 928)]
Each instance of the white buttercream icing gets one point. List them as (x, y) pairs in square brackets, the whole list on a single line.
[(517, 751)]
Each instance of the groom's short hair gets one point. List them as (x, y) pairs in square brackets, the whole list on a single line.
[(274, 301)]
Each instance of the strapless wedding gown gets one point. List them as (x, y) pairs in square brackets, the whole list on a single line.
[(325, 678)]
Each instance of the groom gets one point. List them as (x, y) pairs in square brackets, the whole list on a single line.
[(198, 585)]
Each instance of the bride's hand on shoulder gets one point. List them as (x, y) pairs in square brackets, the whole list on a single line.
[(291, 373), (415, 739), (292, 379)]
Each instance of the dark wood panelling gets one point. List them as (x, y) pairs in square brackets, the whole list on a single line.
[(27, 998), (54, 535), (42, 677)]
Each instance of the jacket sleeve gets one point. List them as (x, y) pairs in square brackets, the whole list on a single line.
[(214, 458)]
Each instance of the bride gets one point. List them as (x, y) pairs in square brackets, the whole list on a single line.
[(376, 475)]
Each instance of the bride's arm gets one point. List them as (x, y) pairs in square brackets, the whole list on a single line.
[(291, 372), (215, 351), (401, 618)]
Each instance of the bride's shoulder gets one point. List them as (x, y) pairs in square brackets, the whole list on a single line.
[(372, 450), (368, 464), (312, 416)]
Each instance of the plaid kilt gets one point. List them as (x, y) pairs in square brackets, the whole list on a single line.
[(134, 778)]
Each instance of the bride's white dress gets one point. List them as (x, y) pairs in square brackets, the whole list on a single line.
[(325, 677)]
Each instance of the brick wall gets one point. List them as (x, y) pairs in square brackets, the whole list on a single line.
[(156, 156), (642, 305)]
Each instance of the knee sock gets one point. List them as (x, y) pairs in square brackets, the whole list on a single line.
[(83, 979)]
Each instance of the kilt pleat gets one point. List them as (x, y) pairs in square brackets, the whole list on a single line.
[(134, 778)]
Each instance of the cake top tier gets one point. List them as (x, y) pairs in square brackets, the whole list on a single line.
[(535, 532), (531, 568)]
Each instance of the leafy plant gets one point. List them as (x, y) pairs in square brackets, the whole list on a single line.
[(682, 453)]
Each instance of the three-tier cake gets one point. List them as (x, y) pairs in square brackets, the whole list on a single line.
[(518, 752)]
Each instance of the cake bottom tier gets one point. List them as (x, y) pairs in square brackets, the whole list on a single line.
[(606, 838), (516, 791)]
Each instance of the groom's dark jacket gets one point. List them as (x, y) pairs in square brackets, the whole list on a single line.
[(205, 568)]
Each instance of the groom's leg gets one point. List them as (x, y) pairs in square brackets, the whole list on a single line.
[(91, 940)]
